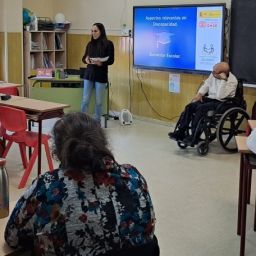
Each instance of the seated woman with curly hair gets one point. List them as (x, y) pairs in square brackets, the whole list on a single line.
[(90, 205)]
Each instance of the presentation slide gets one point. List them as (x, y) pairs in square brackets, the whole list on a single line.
[(209, 27), (186, 37)]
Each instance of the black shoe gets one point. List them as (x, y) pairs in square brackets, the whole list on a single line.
[(177, 135), (189, 140)]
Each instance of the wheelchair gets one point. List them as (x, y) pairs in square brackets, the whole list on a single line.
[(228, 120)]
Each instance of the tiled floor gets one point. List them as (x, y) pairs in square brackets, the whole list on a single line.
[(195, 197)]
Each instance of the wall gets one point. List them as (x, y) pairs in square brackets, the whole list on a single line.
[(41, 8), (13, 15), (2, 20), (83, 13), (126, 88), (112, 13), (11, 40), (13, 28), (144, 92), (2, 41), (2, 56)]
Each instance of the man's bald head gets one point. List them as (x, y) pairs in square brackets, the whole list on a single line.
[(222, 67)]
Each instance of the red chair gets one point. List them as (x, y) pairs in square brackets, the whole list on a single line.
[(14, 122), (12, 90), (2, 143)]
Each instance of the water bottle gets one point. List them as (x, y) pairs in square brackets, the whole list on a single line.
[(4, 190), (62, 74), (36, 24), (57, 74)]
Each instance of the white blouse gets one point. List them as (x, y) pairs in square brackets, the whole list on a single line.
[(251, 141)]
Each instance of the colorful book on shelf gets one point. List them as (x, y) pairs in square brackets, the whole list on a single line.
[(44, 72), (58, 43), (47, 62)]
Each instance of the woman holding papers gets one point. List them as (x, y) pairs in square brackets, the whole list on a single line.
[(99, 53)]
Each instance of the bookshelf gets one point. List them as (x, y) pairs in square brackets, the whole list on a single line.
[(43, 49)]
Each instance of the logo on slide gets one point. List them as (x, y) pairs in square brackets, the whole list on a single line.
[(163, 38), (208, 49)]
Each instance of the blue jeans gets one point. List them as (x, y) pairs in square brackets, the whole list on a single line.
[(99, 93)]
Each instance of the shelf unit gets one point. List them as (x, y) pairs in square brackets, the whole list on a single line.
[(43, 49)]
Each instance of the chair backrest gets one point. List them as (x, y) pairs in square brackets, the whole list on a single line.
[(10, 90), (253, 116), (13, 119), (2, 130), (240, 91)]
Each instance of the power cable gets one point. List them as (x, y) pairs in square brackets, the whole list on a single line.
[(149, 103)]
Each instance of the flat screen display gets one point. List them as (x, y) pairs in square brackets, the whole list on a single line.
[(186, 38)]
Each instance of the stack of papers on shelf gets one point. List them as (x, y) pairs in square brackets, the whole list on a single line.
[(35, 45)]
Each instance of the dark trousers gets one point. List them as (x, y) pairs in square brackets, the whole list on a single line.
[(195, 111), (149, 249)]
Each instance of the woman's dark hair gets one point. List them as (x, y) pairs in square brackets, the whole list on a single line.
[(97, 47), (80, 143), (102, 30)]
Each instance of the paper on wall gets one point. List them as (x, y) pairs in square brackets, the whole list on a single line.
[(174, 83)]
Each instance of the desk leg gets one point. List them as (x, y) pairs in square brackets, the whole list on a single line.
[(254, 226), (29, 149), (244, 207), (106, 116), (2, 146), (39, 146), (105, 121), (240, 194)]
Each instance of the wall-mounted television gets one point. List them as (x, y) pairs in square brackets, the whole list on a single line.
[(184, 38)]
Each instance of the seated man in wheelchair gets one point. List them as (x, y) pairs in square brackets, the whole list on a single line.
[(220, 84)]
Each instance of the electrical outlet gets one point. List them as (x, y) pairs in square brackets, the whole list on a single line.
[(124, 30)]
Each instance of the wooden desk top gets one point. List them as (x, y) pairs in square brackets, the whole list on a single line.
[(33, 105), (241, 145), (70, 79), (7, 85), (252, 123)]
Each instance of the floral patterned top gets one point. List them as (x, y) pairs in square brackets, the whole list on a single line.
[(89, 215)]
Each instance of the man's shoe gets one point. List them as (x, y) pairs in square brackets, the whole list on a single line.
[(189, 140), (177, 135)]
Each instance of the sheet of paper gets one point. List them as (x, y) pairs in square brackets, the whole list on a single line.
[(174, 83)]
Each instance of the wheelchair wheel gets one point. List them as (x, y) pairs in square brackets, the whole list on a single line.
[(202, 148), (232, 123)]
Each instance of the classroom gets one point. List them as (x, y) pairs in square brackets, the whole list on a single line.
[(195, 188)]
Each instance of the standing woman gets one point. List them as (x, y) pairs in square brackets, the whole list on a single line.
[(96, 73)]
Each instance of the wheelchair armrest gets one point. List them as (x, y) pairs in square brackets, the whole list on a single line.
[(230, 100), (224, 102), (227, 101)]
